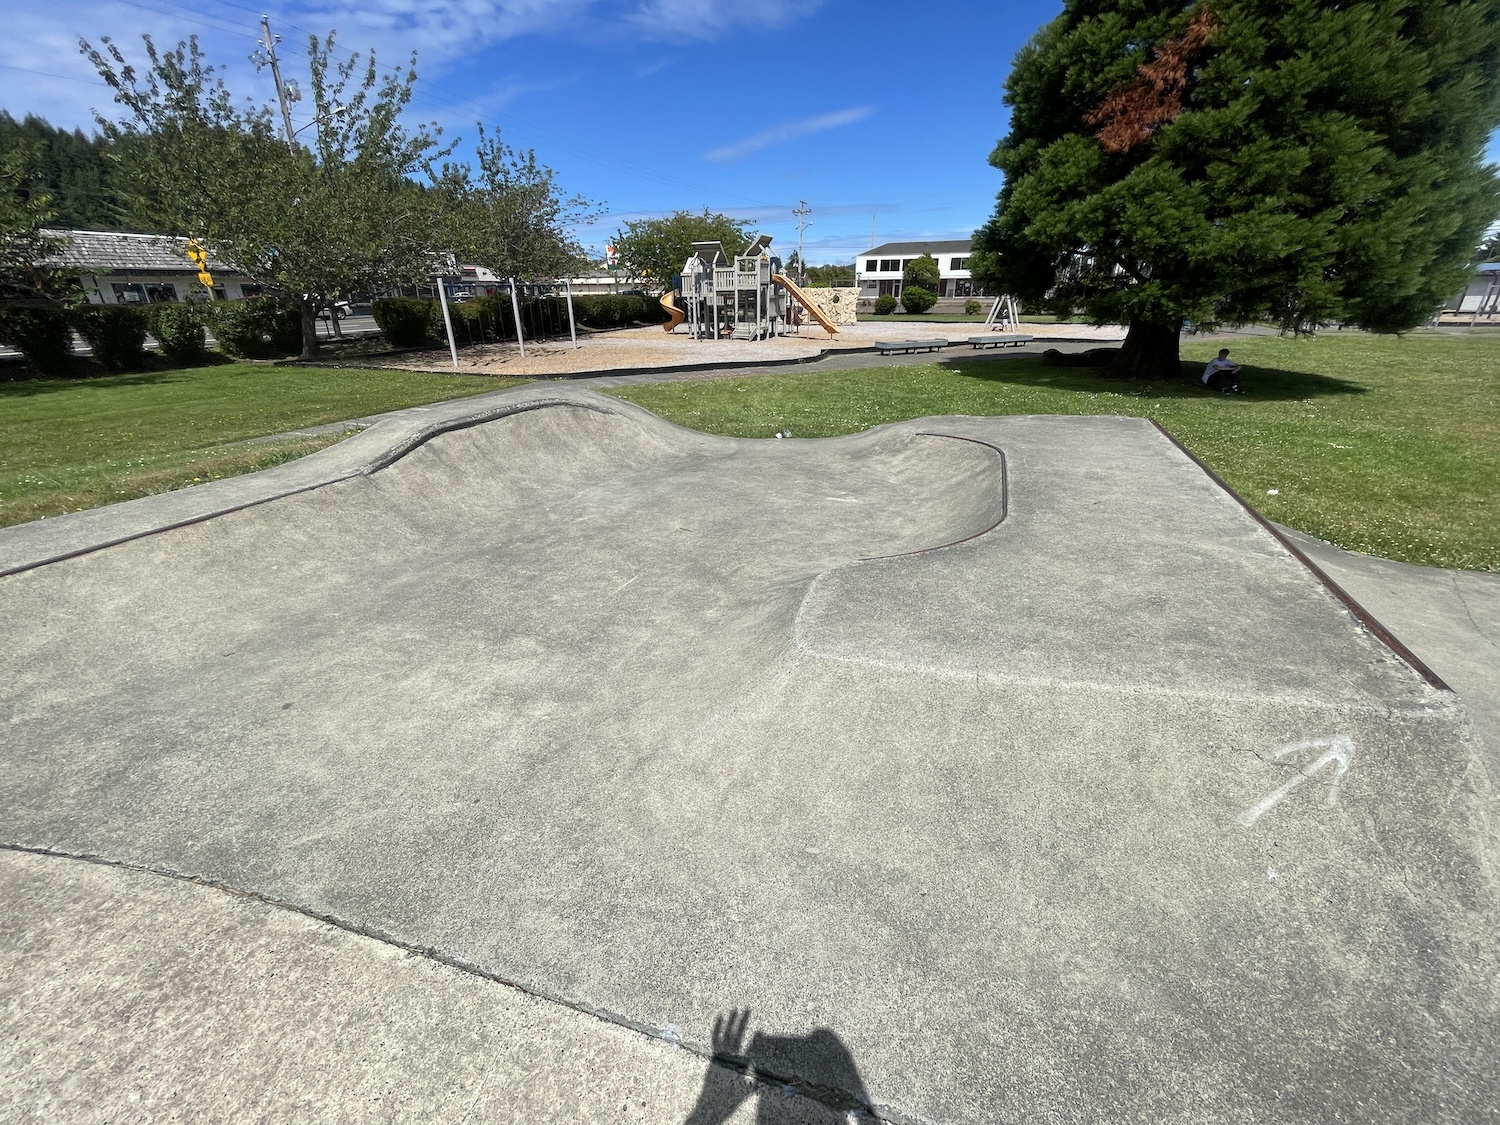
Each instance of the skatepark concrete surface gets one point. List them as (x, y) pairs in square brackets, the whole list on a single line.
[(512, 759)]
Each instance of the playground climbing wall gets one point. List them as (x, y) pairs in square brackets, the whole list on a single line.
[(838, 305)]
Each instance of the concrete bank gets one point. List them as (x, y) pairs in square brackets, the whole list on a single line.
[(995, 786)]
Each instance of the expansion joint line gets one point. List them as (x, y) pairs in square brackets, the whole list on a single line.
[(833, 1099)]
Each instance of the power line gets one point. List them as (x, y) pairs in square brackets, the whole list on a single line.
[(177, 12), (98, 82)]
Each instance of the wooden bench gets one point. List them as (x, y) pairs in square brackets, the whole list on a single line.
[(1003, 341), (889, 347)]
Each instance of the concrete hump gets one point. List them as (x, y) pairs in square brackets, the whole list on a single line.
[(1005, 769)]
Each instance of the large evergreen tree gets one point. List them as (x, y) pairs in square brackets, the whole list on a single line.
[(1235, 160), (72, 170), (24, 241)]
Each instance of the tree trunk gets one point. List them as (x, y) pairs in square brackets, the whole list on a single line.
[(1150, 351), (309, 309)]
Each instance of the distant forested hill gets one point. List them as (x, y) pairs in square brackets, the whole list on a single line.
[(70, 167)]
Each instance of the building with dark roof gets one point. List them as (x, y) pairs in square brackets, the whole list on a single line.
[(878, 271), (128, 269)]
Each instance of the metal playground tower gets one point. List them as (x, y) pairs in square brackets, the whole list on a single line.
[(743, 298)]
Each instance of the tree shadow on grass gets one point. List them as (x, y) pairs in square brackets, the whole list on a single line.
[(1263, 384), (29, 388), (18, 379)]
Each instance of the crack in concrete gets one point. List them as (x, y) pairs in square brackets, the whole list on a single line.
[(835, 1099), (1469, 613)]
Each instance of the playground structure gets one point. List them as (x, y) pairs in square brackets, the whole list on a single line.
[(1005, 315), (742, 299)]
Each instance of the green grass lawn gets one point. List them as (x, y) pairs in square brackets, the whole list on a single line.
[(1389, 446), (68, 444)]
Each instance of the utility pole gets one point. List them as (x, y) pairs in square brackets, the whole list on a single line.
[(268, 45), (802, 210)]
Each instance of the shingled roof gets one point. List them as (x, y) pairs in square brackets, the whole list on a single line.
[(97, 251), (951, 246)]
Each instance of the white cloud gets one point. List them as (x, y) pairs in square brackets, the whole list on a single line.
[(701, 20), (789, 130), (47, 76), (439, 33)]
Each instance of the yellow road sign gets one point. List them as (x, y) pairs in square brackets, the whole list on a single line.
[(199, 258)]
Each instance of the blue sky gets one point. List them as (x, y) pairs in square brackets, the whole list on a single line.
[(870, 110)]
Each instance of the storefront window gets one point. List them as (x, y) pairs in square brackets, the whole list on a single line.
[(136, 293)]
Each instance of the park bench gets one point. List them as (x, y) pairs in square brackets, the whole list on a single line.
[(1005, 341), (888, 347)]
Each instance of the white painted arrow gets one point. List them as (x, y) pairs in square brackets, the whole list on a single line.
[(1338, 749)]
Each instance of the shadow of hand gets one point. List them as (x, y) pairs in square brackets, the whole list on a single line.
[(729, 1035), (724, 1090)]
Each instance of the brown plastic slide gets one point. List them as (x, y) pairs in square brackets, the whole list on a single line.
[(802, 299), (675, 315)]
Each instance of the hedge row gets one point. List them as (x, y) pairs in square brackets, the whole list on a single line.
[(409, 322), (254, 329), (264, 328)]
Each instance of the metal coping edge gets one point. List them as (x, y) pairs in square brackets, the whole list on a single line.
[(1364, 616)]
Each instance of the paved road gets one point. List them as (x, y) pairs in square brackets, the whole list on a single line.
[(994, 785)]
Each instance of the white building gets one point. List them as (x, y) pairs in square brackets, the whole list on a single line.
[(141, 269), (1480, 299), (878, 271)]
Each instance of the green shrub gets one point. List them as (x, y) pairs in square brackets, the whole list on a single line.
[(478, 320), (116, 333), (41, 334), (885, 304), (972, 308), (179, 329), (256, 328), (616, 310), (915, 299), (406, 322)]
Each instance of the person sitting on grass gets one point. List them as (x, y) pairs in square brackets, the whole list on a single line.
[(1221, 374)]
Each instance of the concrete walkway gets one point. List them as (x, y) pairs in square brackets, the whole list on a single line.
[(491, 764)]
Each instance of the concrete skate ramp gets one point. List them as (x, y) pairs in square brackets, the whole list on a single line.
[(1105, 812)]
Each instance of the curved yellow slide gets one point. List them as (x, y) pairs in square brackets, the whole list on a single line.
[(802, 299), (675, 316)]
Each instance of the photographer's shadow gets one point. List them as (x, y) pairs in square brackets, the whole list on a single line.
[(817, 1065)]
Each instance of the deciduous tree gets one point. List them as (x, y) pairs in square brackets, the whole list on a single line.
[(510, 215), (1235, 160), (830, 275), (656, 249), (344, 214), (919, 284)]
